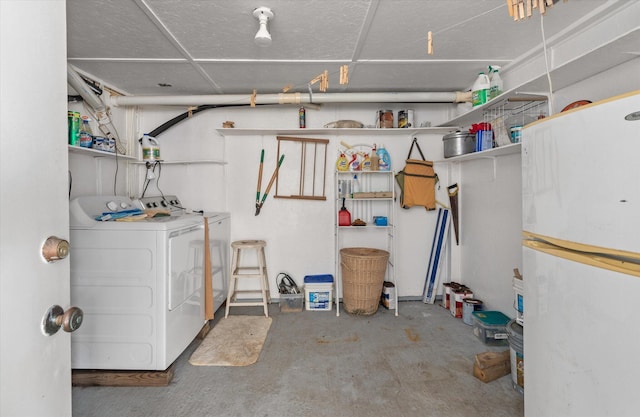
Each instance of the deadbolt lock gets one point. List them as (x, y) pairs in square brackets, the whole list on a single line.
[(56, 317), (55, 248)]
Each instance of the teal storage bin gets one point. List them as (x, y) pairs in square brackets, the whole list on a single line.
[(491, 327)]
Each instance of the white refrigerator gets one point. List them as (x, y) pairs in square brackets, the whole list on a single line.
[(581, 261)]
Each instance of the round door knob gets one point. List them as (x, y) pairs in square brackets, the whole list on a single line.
[(55, 248), (56, 318), (70, 320)]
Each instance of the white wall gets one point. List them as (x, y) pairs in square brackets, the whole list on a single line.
[(299, 233), (619, 80), (490, 223)]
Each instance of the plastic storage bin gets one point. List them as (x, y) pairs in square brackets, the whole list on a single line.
[(290, 303), (318, 292), (491, 327)]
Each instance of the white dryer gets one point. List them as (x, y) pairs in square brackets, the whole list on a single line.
[(141, 282)]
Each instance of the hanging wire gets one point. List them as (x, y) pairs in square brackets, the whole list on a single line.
[(546, 63)]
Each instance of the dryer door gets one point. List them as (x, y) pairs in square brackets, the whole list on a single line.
[(186, 279)]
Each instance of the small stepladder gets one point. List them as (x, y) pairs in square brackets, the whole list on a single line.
[(239, 271)]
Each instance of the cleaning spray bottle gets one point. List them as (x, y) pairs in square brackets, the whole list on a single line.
[(342, 163), (495, 82), (354, 164), (366, 163)]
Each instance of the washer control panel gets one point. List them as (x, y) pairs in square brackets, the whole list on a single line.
[(167, 202)]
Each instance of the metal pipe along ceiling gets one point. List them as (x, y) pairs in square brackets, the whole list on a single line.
[(293, 98)]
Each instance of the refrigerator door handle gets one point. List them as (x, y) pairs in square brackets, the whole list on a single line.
[(624, 266)]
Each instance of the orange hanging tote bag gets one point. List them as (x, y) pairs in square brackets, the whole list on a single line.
[(417, 181)]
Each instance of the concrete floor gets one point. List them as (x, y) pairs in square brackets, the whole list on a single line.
[(316, 364)]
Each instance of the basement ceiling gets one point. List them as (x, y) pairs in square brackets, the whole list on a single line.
[(207, 47)]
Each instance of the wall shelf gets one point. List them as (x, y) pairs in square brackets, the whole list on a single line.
[(336, 131), (96, 153), (489, 153), (196, 162), (507, 102)]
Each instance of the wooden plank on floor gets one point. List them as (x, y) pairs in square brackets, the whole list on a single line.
[(204, 331), (113, 378), (124, 378)]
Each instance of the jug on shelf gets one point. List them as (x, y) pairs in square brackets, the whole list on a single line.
[(150, 148)]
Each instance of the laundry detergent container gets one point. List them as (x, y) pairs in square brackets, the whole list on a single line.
[(363, 271)]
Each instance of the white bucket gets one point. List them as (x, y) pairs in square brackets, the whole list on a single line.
[(518, 302), (516, 347), (469, 305)]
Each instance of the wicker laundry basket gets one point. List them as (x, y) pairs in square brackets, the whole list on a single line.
[(363, 271)]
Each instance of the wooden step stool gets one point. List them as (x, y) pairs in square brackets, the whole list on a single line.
[(239, 271)]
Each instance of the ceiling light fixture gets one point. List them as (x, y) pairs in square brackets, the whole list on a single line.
[(263, 14)]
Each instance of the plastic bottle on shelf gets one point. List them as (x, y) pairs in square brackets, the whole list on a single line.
[(384, 162), (354, 164), (375, 160), (496, 86), (86, 135), (355, 185), (74, 128), (150, 148), (366, 163), (342, 163), (480, 90), (492, 69)]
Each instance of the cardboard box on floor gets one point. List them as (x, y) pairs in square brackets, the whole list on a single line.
[(490, 366)]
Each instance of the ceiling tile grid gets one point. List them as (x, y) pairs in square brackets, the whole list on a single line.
[(207, 47)]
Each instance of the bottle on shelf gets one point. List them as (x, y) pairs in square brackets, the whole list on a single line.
[(150, 148), (86, 135), (342, 163), (366, 162), (384, 159), (355, 185), (496, 86), (480, 90), (74, 128), (354, 164), (375, 159)]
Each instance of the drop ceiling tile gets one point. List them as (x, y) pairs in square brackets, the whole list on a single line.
[(268, 77), (300, 30), (143, 77), (113, 29), (426, 76)]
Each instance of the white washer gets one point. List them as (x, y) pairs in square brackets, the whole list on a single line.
[(141, 283)]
